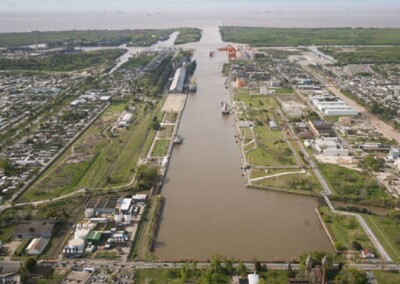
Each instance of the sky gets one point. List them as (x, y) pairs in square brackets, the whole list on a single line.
[(167, 5)]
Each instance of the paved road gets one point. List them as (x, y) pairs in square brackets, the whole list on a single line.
[(308, 159), (385, 129), (370, 234), (381, 126), (98, 263)]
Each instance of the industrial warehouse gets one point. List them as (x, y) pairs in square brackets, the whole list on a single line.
[(331, 105), (109, 224)]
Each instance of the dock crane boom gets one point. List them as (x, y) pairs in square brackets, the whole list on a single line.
[(231, 52)]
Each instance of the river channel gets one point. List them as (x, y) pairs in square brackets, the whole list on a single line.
[(208, 209)]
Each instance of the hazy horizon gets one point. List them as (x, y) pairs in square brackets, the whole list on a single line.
[(173, 5), (55, 15)]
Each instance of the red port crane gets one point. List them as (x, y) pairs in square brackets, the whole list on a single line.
[(231, 52)]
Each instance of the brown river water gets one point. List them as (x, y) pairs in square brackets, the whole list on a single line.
[(208, 209)]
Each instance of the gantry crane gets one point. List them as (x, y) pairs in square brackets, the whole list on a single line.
[(231, 52)]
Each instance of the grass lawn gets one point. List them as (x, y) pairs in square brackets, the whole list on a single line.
[(271, 149), (274, 276), (172, 276), (283, 90), (271, 153), (355, 186), (387, 231), (97, 159), (306, 183), (107, 255), (160, 148), (6, 233), (387, 277), (345, 229)]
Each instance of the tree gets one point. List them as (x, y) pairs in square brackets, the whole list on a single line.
[(229, 266), (30, 264), (147, 177), (356, 245), (216, 263), (350, 276), (155, 125), (241, 269), (290, 272)]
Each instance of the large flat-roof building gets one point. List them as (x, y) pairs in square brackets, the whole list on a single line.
[(331, 105), (321, 128), (179, 81), (102, 205), (34, 229)]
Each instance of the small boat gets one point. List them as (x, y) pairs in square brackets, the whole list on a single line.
[(211, 53), (225, 109), (178, 139), (193, 87)]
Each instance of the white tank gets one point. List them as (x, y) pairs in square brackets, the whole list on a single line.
[(253, 279), (89, 212), (81, 234), (128, 218), (76, 244), (118, 218)]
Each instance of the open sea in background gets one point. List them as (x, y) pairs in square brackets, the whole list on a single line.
[(45, 15)]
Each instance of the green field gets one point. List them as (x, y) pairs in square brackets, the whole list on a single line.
[(364, 55), (160, 148), (260, 36), (86, 37), (305, 183), (187, 35), (271, 149), (97, 159), (387, 230), (138, 61), (178, 276), (354, 186), (387, 277), (344, 230), (64, 62)]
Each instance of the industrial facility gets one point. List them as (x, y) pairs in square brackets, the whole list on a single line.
[(98, 229), (331, 105)]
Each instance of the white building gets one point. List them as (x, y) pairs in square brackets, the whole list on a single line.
[(126, 119), (36, 246), (331, 105), (330, 147), (393, 155), (178, 81)]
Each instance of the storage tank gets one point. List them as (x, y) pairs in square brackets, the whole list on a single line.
[(118, 218), (81, 234), (76, 244), (128, 218), (89, 212), (253, 279)]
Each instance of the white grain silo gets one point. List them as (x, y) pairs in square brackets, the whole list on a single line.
[(81, 234), (128, 218), (118, 218), (76, 245)]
